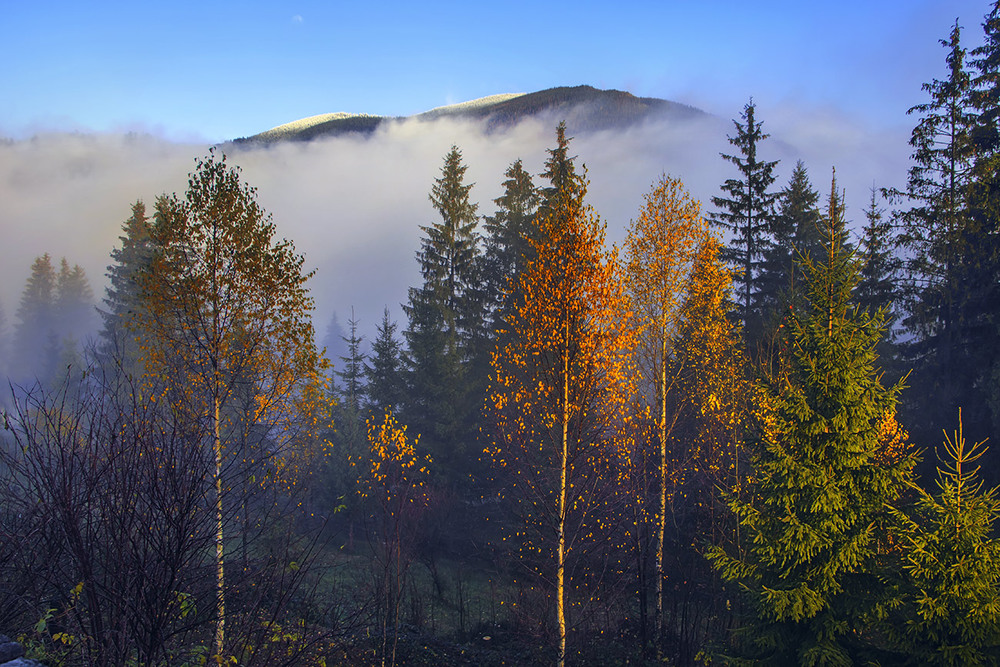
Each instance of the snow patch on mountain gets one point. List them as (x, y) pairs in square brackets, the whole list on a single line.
[(305, 123), (474, 104)]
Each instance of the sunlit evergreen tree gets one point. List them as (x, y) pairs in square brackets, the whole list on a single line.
[(818, 491), (950, 572)]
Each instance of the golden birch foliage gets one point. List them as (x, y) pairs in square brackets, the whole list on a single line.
[(561, 378), (227, 315), (226, 318), (713, 367), (893, 440), (567, 330), (672, 291), (660, 251), (395, 475)]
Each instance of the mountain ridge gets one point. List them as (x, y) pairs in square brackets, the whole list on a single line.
[(584, 108)]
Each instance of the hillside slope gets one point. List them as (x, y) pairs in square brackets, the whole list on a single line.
[(584, 108)]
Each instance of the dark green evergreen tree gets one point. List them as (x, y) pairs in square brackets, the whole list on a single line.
[(796, 229), (434, 381), (986, 86), (446, 332), (35, 345), (352, 389), (74, 309), (508, 231), (942, 241), (450, 255), (120, 341), (383, 370), (819, 489), (560, 171), (746, 213), (349, 434), (879, 265), (949, 577), (983, 295)]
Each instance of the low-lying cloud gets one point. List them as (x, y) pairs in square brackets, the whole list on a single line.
[(354, 205)]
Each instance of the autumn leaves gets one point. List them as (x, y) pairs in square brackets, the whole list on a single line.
[(588, 377)]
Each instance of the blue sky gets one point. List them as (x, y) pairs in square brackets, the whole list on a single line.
[(832, 83), (213, 70)]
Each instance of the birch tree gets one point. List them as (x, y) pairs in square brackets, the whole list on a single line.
[(228, 320), (559, 381), (660, 251)]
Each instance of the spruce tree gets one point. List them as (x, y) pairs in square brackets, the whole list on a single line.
[(949, 576), (985, 95), (984, 253), (446, 331), (450, 255), (746, 211), (35, 346), (879, 264), (797, 229), (818, 491), (352, 389), (383, 370), (120, 341), (509, 230), (434, 379), (560, 172), (348, 434), (942, 241), (74, 308)]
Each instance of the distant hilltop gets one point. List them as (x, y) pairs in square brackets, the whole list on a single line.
[(584, 108)]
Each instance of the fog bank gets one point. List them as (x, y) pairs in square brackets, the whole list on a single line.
[(354, 205)]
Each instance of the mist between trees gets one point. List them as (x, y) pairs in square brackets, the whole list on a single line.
[(719, 440)]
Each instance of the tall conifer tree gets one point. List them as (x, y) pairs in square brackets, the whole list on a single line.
[(560, 172), (446, 321), (942, 240), (983, 295), (120, 339), (879, 264), (796, 229), (509, 231), (35, 347), (810, 523), (383, 370), (745, 211)]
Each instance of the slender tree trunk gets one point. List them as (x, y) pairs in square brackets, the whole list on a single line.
[(561, 552), (661, 528), (219, 549)]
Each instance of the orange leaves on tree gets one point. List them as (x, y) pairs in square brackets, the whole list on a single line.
[(395, 474), (561, 378), (225, 318)]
